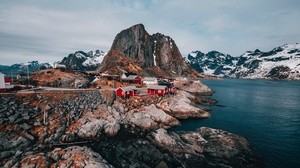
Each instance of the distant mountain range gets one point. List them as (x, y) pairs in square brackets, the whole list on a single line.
[(135, 50), (23, 68), (80, 60), (280, 63)]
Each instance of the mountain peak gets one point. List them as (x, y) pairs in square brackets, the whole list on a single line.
[(155, 54)]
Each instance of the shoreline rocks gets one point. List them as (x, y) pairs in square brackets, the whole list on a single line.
[(180, 106), (120, 133)]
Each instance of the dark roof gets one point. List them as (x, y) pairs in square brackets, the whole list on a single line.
[(129, 73), (164, 82)]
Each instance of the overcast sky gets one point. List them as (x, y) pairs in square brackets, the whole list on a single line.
[(48, 30)]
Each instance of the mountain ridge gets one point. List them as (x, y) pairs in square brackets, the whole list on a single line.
[(282, 62)]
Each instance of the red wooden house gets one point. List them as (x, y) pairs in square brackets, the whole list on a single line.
[(126, 91), (157, 89)]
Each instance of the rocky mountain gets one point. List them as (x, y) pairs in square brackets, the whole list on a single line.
[(21, 68), (212, 63), (134, 50), (83, 61), (280, 63)]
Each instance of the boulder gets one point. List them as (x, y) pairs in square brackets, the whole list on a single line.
[(150, 117)]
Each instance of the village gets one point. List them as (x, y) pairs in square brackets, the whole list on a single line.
[(125, 86)]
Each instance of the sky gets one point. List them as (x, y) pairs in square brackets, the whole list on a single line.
[(48, 30)]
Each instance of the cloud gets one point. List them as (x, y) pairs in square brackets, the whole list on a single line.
[(53, 29)]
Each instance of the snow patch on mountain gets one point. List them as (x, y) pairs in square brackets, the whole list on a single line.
[(95, 58), (83, 61)]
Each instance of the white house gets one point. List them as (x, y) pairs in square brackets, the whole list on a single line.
[(2, 82), (59, 66), (150, 81)]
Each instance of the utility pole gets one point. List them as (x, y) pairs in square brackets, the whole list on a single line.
[(28, 75), (12, 79)]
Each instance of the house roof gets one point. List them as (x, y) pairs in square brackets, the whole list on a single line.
[(127, 74), (157, 87), (128, 88), (130, 77), (149, 79), (164, 82)]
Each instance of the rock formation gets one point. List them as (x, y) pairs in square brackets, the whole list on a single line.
[(137, 51)]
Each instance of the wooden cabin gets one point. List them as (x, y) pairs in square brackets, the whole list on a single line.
[(126, 91), (157, 89)]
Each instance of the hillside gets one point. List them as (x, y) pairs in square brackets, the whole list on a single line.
[(59, 78)]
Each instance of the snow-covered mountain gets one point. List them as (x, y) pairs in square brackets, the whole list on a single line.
[(212, 63), (280, 63), (83, 61)]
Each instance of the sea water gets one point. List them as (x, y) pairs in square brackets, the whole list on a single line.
[(265, 112)]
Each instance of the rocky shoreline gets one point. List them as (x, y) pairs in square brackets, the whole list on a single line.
[(93, 129)]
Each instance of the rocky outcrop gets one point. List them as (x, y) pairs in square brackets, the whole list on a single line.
[(161, 148), (181, 106), (150, 118), (193, 87), (155, 55), (207, 147)]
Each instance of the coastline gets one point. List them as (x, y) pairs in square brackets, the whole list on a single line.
[(136, 126)]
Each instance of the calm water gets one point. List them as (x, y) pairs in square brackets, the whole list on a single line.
[(267, 113)]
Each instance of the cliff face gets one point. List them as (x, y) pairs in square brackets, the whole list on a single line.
[(135, 43), (168, 57), (155, 54)]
